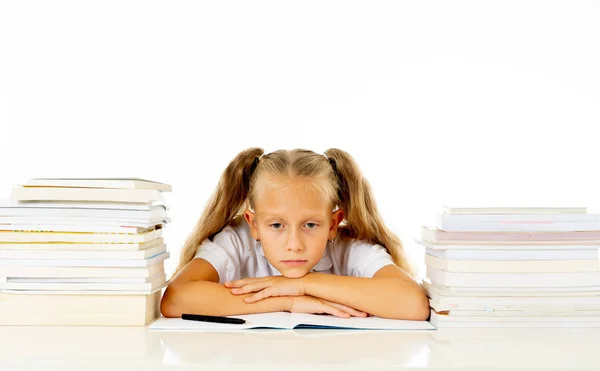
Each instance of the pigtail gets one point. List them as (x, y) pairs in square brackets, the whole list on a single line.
[(362, 218), (225, 203)]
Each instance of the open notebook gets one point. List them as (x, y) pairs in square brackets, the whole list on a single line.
[(286, 320)]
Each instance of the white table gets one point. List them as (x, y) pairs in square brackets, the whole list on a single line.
[(117, 348)]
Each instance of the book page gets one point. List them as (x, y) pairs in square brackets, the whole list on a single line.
[(285, 320)]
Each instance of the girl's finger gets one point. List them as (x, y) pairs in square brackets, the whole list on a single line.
[(251, 287), (347, 309), (258, 296), (238, 283), (334, 311)]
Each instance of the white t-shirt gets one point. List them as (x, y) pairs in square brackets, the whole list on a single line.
[(235, 254)]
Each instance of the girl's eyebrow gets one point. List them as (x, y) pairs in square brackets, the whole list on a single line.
[(277, 216)]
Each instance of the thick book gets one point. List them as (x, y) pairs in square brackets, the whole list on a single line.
[(510, 291), (85, 262), (443, 320), (525, 226), (8, 207), (286, 320), (430, 234), (77, 220), (131, 183), (507, 280), (85, 279), (514, 254), (74, 246), (154, 212), (520, 245), (144, 196), (127, 228), (157, 281), (24, 271), (514, 210), (42, 309), (521, 313), (511, 266), (519, 218), (106, 255), (79, 237), (506, 304)]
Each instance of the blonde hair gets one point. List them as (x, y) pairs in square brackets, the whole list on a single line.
[(344, 186)]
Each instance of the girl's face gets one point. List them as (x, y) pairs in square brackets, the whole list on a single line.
[(293, 221)]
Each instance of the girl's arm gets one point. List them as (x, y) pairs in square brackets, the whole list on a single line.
[(390, 293), (196, 290)]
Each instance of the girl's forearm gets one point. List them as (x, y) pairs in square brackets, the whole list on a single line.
[(385, 297), (211, 298)]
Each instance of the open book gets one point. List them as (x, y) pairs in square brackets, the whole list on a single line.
[(286, 320)]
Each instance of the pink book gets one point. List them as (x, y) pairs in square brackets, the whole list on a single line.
[(434, 235)]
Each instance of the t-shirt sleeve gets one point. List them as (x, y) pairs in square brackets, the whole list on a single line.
[(223, 253), (364, 260)]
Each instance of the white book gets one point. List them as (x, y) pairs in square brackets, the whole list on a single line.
[(445, 321), (85, 286), (132, 183), (470, 226), (6, 205), (507, 323), (509, 280), (153, 212), (74, 246), (89, 237), (510, 291), (512, 266), (29, 308), (518, 218), (513, 210), (440, 320), (145, 196), (137, 222), (76, 255), (85, 262), (495, 304), (105, 294), (286, 320), (523, 314), (30, 272), (78, 228), (154, 277), (516, 254), (562, 245), (438, 236)]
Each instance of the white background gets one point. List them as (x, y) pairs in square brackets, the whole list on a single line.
[(475, 103)]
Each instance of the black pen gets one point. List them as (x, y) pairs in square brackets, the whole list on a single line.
[(216, 319)]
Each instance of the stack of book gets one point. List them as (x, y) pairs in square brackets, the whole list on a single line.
[(513, 267), (83, 252)]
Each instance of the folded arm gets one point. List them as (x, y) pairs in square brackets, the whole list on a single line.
[(196, 290), (390, 293)]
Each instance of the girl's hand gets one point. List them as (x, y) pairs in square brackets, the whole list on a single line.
[(312, 305), (266, 287)]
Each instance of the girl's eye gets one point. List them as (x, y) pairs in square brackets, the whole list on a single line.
[(276, 225), (311, 225)]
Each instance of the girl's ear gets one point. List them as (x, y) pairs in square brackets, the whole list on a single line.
[(251, 220), (336, 218)]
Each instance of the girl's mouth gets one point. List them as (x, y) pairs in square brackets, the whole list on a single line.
[(294, 262)]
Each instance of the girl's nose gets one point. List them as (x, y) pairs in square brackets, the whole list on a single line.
[(294, 242)]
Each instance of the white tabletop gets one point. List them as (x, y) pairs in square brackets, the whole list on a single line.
[(116, 348)]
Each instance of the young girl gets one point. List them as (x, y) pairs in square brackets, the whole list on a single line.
[(293, 231)]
